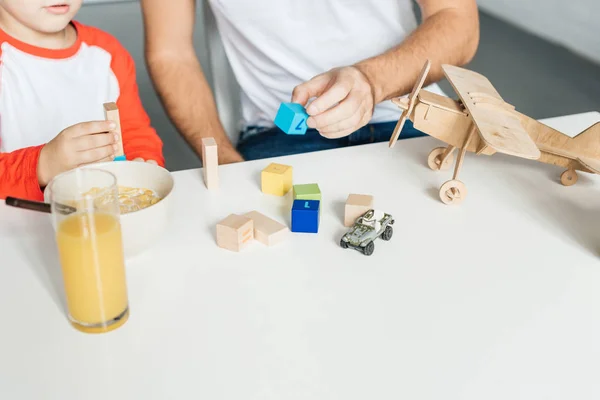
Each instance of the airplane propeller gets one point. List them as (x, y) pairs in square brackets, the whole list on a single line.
[(407, 106)]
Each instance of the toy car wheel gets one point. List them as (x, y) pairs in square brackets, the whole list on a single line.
[(369, 249), (387, 234), (343, 244)]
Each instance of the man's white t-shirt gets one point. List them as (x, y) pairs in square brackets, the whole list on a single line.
[(274, 45)]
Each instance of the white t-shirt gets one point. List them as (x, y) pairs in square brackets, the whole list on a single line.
[(274, 45)]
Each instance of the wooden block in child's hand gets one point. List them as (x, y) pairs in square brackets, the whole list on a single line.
[(276, 179), (309, 191), (356, 206), (291, 118), (235, 232), (306, 216), (210, 163), (111, 113), (266, 230)]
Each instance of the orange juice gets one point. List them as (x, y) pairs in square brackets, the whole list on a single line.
[(91, 255)]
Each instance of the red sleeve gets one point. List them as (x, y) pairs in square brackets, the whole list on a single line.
[(139, 138), (18, 174)]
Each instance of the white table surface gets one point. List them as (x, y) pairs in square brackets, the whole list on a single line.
[(494, 299)]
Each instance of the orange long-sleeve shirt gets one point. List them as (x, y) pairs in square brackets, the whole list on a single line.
[(44, 91)]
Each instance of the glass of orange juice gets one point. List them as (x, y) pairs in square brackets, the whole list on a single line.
[(85, 210)]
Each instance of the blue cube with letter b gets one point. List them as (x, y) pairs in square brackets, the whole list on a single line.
[(291, 118), (305, 216)]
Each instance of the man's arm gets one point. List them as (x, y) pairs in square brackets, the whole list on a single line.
[(178, 76), (449, 34)]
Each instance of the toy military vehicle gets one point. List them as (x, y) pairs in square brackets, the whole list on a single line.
[(366, 229)]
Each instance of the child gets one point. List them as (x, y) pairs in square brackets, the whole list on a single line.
[(55, 76)]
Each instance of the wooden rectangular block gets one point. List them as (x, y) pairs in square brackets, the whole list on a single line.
[(235, 232), (276, 179), (309, 191), (356, 206), (111, 113), (266, 230), (210, 163)]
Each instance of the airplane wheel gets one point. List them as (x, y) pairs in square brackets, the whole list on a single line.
[(434, 159), (569, 177), (453, 192)]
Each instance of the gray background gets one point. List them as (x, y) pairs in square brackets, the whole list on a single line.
[(540, 75)]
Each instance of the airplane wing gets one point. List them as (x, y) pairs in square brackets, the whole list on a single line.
[(498, 126)]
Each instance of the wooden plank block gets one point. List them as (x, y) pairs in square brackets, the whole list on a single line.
[(111, 113), (210, 163), (235, 232), (266, 230), (356, 206)]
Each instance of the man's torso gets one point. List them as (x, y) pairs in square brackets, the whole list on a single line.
[(274, 45)]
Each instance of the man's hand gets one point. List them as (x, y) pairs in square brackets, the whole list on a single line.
[(80, 144), (344, 101)]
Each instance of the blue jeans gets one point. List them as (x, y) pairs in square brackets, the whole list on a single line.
[(264, 142)]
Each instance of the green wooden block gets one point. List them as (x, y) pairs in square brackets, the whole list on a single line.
[(308, 191)]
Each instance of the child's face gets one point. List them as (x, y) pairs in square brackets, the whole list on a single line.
[(46, 16)]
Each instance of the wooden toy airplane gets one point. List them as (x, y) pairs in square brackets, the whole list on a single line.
[(483, 123)]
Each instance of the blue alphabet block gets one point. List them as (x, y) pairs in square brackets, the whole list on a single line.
[(291, 118), (305, 216)]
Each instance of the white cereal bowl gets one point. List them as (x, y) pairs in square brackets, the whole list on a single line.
[(140, 228)]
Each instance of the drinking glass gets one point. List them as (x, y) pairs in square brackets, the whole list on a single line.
[(85, 212)]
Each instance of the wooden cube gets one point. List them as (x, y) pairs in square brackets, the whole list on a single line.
[(266, 230), (276, 179), (308, 191), (306, 216), (235, 232), (356, 206), (210, 163), (291, 118)]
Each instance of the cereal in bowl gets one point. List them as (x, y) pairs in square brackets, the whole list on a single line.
[(130, 199)]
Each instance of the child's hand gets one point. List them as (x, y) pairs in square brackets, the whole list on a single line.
[(80, 144), (140, 159)]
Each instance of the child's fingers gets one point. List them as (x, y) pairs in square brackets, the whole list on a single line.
[(105, 159), (95, 155), (92, 127), (140, 159), (89, 142)]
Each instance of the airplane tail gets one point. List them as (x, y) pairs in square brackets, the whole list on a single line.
[(589, 140)]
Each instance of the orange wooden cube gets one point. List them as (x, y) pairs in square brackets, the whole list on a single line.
[(235, 232)]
